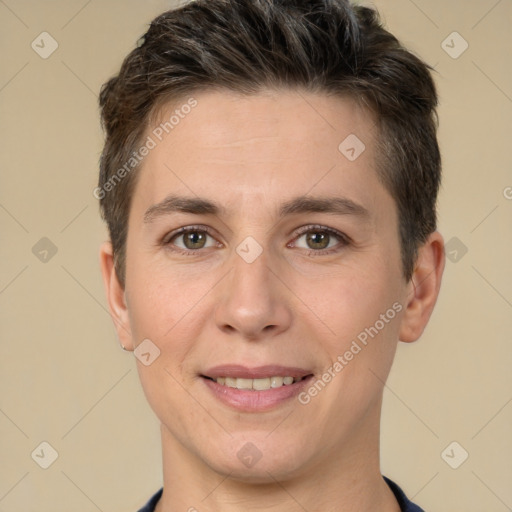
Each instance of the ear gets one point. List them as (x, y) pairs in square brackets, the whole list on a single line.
[(115, 296), (423, 288)]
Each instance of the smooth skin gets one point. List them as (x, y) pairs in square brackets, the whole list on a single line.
[(300, 303)]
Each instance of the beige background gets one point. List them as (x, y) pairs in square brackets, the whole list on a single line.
[(64, 379)]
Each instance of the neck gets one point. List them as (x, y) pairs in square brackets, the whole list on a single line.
[(347, 479)]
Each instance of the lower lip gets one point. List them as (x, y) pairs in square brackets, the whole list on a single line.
[(256, 401)]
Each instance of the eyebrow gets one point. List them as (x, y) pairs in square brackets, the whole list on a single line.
[(301, 204), (172, 204)]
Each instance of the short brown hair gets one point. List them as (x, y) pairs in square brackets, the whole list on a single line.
[(324, 46)]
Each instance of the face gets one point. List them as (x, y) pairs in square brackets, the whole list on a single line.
[(258, 249)]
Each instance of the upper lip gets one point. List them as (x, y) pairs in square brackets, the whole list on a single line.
[(258, 372)]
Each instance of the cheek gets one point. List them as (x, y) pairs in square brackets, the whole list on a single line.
[(167, 310), (163, 299), (364, 313), (363, 308), (352, 298)]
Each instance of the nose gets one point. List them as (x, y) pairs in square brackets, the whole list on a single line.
[(252, 301)]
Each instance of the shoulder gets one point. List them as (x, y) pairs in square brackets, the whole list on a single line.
[(151, 504), (405, 504)]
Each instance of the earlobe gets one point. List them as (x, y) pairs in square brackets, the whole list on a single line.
[(423, 288), (115, 296)]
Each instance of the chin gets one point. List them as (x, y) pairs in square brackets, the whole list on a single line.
[(262, 474), (245, 462)]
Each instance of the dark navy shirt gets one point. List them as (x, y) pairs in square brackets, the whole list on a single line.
[(405, 504)]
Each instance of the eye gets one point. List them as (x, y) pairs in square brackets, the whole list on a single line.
[(190, 238), (320, 239), (317, 240)]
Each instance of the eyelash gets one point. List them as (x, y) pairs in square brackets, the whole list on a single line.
[(316, 228)]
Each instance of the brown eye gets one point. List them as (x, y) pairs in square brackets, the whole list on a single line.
[(194, 239), (318, 240), (191, 239)]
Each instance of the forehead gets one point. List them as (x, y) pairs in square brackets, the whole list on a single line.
[(253, 147), (274, 119)]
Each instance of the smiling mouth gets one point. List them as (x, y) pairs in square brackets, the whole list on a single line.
[(263, 384)]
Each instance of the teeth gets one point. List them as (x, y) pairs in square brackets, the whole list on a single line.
[(261, 384), (244, 383), (256, 384), (276, 382), (230, 382)]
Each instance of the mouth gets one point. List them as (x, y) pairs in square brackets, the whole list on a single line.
[(255, 389)]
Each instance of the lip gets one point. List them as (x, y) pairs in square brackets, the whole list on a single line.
[(237, 371), (252, 400)]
